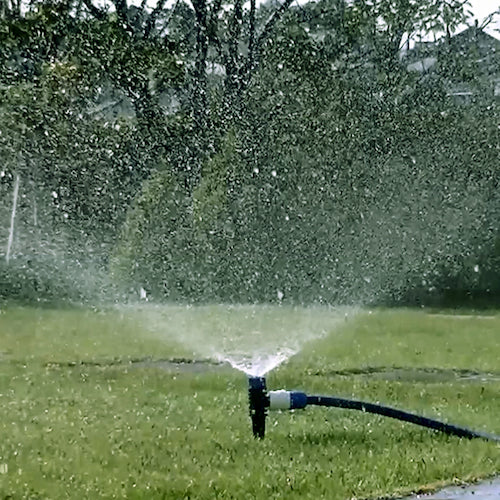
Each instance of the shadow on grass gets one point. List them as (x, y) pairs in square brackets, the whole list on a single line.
[(403, 374)]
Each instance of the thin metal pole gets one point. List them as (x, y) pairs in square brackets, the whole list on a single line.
[(12, 219)]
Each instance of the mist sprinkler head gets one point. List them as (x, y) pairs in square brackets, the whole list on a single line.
[(259, 403)]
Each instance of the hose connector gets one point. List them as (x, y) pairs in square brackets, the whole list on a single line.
[(287, 400)]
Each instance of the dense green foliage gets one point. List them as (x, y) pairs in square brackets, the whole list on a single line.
[(312, 166)]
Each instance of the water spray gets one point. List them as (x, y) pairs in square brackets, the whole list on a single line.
[(262, 401)]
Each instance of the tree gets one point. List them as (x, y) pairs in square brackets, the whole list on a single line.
[(375, 30), (302, 167)]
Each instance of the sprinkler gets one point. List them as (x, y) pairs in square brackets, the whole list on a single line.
[(262, 401), (259, 403)]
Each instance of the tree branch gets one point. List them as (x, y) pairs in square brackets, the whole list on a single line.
[(251, 36), (258, 43), (232, 69), (151, 23), (200, 69), (95, 11), (269, 26), (489, 19), (121, 11)]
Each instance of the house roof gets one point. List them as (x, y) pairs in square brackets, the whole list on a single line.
[(477, 34), (471, 36)]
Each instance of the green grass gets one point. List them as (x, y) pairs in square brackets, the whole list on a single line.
[(77, 420)]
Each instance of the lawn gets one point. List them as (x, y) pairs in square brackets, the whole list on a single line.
[(85, 412)]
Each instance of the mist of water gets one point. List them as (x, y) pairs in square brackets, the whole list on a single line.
[(257, 365), (251, 338)]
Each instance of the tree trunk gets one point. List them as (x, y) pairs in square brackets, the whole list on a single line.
[(200, 69)]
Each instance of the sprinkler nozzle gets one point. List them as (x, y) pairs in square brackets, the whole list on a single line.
[(259, 403)]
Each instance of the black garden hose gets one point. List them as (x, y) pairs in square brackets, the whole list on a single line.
[(261, 401), (387, 411)]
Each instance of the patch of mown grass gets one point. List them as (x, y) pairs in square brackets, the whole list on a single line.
[(66, 335), (409, 338), (119, 430)]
